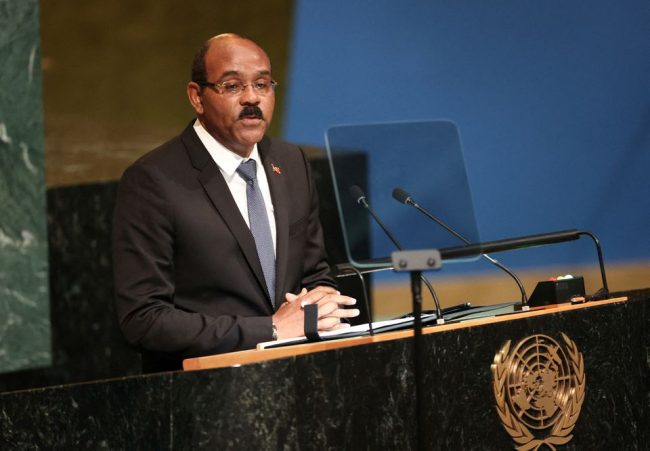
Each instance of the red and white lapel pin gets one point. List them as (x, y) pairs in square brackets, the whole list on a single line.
[(276, 169)]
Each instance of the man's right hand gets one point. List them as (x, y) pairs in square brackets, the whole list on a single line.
[(290, 317)]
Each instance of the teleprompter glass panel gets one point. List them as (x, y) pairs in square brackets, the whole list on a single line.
[(422, 159)]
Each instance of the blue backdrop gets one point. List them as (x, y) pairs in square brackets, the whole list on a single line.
[(552, 100)]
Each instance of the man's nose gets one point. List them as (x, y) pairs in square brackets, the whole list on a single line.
[(249, 96)]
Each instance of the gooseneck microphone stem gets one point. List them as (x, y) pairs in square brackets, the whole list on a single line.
[(347, 270), (360, 198), (402, 196), (494, 261), (601, 261), (380, 223)]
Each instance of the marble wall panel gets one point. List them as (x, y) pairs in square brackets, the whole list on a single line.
[(86, 341), (24, 306)]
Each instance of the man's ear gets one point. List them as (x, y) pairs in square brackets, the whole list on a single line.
[(194, 95)]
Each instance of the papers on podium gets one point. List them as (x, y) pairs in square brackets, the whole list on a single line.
[(457, 313)]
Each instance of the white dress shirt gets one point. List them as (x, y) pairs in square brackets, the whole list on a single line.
[(228, 162)]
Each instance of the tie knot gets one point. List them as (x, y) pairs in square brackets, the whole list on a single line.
[(248, 170)]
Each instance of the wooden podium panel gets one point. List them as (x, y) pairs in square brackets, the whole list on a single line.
[(259, 355)]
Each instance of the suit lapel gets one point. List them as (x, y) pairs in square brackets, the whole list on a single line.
[(217, 190), (280, 196)]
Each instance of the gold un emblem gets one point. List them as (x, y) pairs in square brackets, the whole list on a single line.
[(539, 388)]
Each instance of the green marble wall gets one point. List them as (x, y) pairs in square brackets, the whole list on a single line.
[(24, 300)]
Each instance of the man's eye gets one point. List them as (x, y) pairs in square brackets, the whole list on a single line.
[(261, 85), (231, 86)]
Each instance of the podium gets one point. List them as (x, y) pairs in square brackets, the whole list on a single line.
[(364, 385), (355, 393)]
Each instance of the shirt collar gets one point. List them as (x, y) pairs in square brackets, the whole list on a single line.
[(227, 160)]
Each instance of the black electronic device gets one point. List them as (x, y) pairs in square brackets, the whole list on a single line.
[(557, 291)]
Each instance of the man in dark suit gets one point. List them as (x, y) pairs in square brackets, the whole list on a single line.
[(217, 244)]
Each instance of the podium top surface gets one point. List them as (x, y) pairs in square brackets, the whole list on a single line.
[(260, 355)]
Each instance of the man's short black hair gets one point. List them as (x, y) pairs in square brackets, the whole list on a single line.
[(198, 65)]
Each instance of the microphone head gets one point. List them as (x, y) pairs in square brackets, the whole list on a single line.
[(402, 196), (357, 194)]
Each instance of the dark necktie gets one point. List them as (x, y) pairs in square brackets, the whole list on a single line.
[(259, 224)]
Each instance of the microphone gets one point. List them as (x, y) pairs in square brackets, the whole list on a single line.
[(358, 195), (403, 197), (360, 198)]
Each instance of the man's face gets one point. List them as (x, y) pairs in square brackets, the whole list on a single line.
[(232, 119)]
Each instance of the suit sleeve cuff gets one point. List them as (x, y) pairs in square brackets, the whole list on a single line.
[(260, 330)]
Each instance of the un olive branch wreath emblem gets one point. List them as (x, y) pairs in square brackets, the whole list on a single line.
[(539, 385)]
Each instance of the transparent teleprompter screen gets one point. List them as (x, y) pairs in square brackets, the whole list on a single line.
[(424, 160)]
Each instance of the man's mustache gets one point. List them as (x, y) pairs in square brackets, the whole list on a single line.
[(251, 111)]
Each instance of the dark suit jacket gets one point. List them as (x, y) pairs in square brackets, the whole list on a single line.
[(188, 281)]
